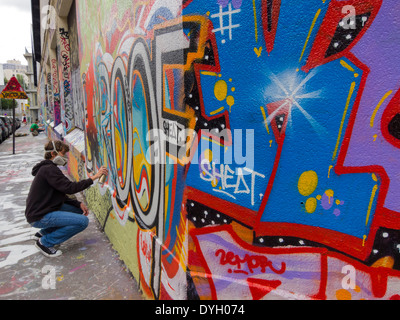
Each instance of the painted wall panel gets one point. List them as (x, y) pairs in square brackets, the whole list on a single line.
[(252, 145)]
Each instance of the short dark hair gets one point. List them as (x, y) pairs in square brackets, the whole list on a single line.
[(60, 146)]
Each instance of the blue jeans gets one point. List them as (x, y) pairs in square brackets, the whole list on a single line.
[(58, 226)]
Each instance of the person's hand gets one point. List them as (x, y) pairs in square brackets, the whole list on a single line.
[(84, 209), (102, 170)]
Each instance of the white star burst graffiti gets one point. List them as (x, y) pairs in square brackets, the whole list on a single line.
[(291, 96)]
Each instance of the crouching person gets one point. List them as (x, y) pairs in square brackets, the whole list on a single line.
[(49, 208)]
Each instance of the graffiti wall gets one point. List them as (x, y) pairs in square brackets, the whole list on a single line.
[(252, 145), (63, 49)]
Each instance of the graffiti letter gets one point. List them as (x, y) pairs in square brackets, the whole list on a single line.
[(205, 171)]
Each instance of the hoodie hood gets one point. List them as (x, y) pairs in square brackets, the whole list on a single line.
[(36, 168)]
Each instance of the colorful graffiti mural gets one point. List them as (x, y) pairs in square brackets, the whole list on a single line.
[(252, 145)]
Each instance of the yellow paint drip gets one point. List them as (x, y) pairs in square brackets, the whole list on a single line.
[(371, 200), (217, 111), (311, 205), (346, 65), (230, 101), (307, 183), (220, 90), (329, 193), (309, 33), (351, 91), (329, 170), (265, 119), (387, 94)]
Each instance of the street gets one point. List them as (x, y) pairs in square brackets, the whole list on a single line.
[(88, 269)]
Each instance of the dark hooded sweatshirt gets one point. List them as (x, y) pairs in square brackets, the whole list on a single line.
[(49, 190)]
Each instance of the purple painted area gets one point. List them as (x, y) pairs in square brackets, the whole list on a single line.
[(379, 49), (336, 212), (326, 202), (235, 3)]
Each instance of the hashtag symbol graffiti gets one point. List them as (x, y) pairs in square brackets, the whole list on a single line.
[(229, 27)]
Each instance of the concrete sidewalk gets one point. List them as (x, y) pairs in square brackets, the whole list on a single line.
[(88, 269)]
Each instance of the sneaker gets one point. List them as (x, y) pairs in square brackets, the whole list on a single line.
[(37, 235), (47, 251)]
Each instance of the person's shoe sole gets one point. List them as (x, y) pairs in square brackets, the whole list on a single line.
[(54, 255)]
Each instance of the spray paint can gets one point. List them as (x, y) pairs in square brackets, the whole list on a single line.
[(102, 179)]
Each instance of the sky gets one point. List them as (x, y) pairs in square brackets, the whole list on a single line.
[(15, 29)]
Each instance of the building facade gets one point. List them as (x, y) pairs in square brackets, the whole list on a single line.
[(14, 68), (32, 109), (1, 75), (252, 146)]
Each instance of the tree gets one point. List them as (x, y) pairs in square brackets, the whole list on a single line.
[(7, 103), (21, 81)]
